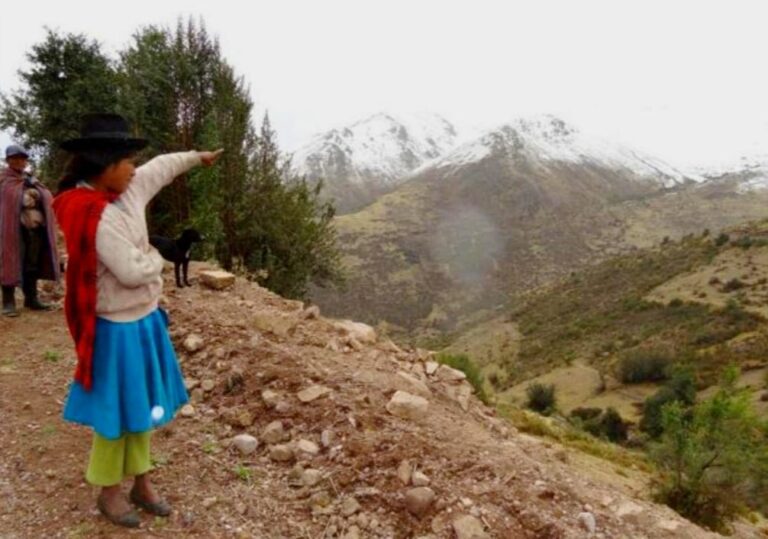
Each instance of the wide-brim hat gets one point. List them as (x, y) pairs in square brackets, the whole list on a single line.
[(105, 133)]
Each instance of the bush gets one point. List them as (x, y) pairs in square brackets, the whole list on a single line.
[(541, 398), (608, 424), (733, 285), (643, 365), (468, 367), (745, 242), (712, 459), (681, 387), (722, 239)]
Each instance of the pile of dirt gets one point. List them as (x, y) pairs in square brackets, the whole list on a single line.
[(302, 426)]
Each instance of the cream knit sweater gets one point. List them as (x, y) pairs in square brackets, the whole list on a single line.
[(129, 281)]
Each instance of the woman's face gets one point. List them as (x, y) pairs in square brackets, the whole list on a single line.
[(117, 176)]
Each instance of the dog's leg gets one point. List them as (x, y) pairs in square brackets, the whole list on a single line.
[(176, 268), (186, 271)]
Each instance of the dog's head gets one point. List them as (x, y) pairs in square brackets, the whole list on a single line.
[(191, 236)]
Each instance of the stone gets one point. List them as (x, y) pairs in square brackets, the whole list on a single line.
[(270, 398), (449, 374), (349, 506), (326, 438), (404, 472), (407, 406), (430, 367), (418, 500), (311, 477), (312, 393), (307, 446), (281, 453), (668, 525), (276, 323), (418, 479), (411, 384), (320, 499), (629, 508), (353, 532), (187, 411), (468, 527), (217, 279), (274, 433), (243, 419), (460, 394), (354, 344), (311, 313), (193, 343), (208, 385), (245, 443), (209, 502), (362, 332), (389, 346), (587, 521), (191, 383)]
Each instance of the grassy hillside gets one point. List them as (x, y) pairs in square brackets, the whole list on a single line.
[(699, 301)]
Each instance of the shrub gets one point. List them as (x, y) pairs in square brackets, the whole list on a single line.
[(541, 398), (608, 424), (712, 458), (745, 242), (468, 367), (722, 239), (733, 285), (643, 365), (681, 387)]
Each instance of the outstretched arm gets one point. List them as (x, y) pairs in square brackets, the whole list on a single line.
[(151, 177)]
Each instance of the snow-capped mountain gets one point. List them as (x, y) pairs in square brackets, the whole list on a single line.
[(546, 139), (747, 174), (361, 161)]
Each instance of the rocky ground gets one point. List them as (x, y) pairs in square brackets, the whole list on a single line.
[(305, 427)]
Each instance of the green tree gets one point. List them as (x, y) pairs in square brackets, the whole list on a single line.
[(290, 239), (712, 461), (68, 76)]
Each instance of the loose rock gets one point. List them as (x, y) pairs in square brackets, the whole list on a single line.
[(245, 443), (407, 406), (217, 279), (469, 527), (281, 453), (418, 500), (312, 393), (193, 343)]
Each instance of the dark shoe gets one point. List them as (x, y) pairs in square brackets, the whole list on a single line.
[(161, 508), (129, 519), (30, 296), (9, 302)]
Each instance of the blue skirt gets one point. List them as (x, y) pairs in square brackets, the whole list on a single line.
[(137, 382)]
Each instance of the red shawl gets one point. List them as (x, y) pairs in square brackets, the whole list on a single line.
[(79, 212)]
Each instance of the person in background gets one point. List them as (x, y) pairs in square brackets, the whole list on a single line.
[(27, 233)]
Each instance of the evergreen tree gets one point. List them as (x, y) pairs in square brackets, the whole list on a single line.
[(69, 75)]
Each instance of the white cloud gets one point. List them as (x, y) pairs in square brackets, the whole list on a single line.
[(685, 80)]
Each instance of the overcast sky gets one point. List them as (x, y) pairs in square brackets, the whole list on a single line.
[(687, 81)]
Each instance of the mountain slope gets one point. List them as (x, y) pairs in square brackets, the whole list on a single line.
[(332, 467), (370, 157), (510, 211)]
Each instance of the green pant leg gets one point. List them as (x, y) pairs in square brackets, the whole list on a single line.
[(105, 466), (137, 461)]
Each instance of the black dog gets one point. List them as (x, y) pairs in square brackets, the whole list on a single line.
[(178, 251)]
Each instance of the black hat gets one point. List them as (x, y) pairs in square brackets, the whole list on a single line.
[(104, 132)]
